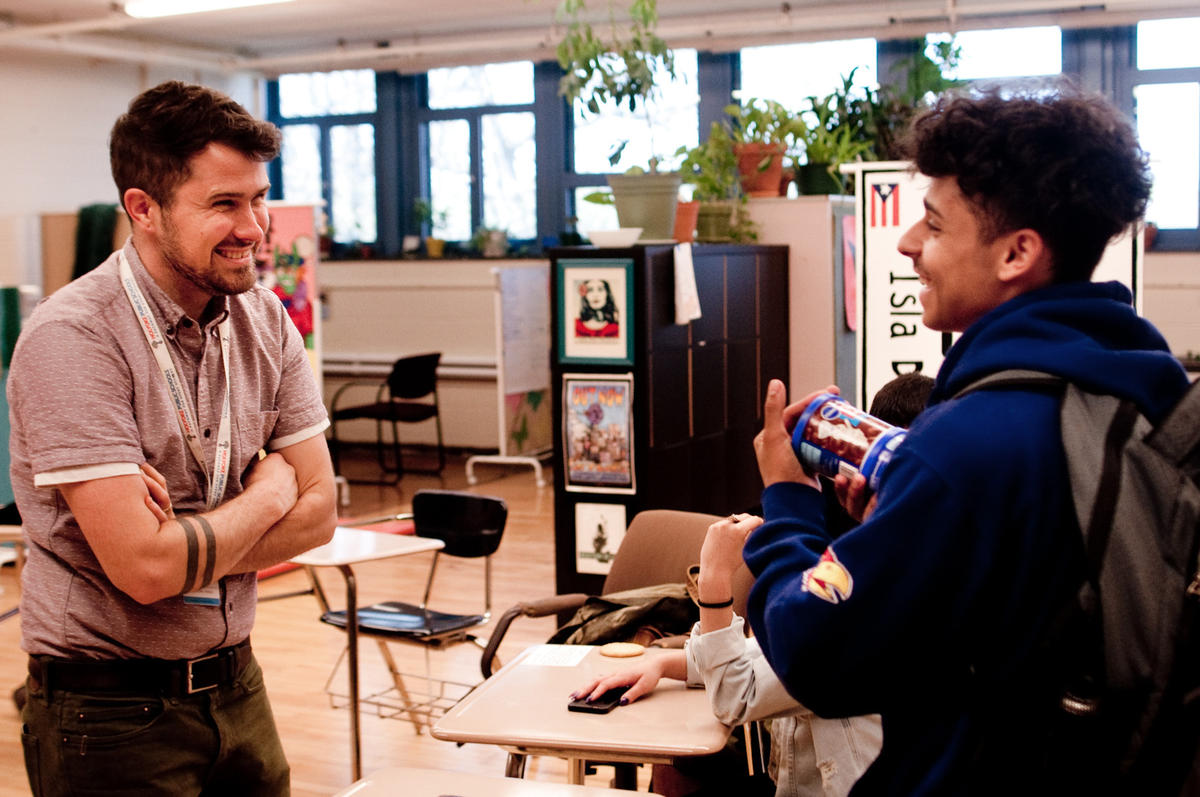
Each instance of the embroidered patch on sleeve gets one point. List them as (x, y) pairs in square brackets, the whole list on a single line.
[(828, 579)]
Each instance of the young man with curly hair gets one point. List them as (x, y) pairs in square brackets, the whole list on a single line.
[(938, 611)]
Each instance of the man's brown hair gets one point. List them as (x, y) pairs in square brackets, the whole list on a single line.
[(151, 143)]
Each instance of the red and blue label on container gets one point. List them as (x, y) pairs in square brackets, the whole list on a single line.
[(833, 437)]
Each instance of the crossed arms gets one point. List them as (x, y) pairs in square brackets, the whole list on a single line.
[(287, 507)]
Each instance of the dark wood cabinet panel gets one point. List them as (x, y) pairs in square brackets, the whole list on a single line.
[(697, 388)]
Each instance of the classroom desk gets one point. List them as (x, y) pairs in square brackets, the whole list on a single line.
[(523, 708), (414, 782), (350, 547)]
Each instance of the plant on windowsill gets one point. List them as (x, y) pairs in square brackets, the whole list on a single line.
[(618, 66), (887, 112), (712, 169), (490, 242), (427, 218), (830, 138), (763, 132)]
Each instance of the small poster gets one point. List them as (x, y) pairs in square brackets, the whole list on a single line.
[(599, 530), (598, 433), (595, 301)]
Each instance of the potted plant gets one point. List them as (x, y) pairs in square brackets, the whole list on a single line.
[(836, 130), (490, 241), (763, 132), (887, 111), (618, 66), (712, 169), (426, 217)]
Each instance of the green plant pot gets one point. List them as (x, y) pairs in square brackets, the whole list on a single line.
[(814, 178), (714, 222), (647, 201)]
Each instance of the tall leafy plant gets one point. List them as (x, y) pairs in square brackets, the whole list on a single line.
[(616, 62), (616, 65), (888, 111), (712, 169)]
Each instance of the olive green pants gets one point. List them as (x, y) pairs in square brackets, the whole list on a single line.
[(218, 742)]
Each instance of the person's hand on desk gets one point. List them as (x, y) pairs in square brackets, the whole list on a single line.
[(641, 679)]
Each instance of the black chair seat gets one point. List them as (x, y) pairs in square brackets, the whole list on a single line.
[(388, 411), (404, 619)]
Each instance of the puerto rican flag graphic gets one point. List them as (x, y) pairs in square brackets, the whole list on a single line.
[(885, 205)]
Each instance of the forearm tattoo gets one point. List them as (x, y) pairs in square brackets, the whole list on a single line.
[(210, 550), (192, 539), (193, 552)]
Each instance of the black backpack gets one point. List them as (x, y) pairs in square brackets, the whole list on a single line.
[(1132, 696)]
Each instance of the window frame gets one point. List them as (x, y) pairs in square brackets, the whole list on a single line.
[(323, 122)]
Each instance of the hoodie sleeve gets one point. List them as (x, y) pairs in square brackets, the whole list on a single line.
[(848, 623)]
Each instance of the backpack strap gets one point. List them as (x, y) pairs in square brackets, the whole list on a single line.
[(1015, 378), (1178, 436)]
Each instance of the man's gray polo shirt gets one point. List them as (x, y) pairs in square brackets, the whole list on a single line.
[(88, 400)]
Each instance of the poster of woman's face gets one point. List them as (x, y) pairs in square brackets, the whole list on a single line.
[(595, 301)]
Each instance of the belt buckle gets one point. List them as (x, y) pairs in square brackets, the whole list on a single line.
[(191, 690)]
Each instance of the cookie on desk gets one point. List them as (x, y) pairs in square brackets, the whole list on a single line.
[(621, 650)]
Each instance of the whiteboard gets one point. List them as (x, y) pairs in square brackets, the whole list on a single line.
[(523, 359)]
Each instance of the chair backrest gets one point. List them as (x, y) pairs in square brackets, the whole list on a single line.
[(470, 525), (659, 547), (414, 377)]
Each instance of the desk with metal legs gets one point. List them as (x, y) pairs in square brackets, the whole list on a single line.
[(523, 708), (349, 547), (416, 782)]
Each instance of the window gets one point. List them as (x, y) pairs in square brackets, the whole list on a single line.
[(481, 149), (790, 73), (328, 154), (992, 54), (1166, 95), (654, 129)]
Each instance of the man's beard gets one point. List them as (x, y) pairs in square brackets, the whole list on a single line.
[(207, 280)]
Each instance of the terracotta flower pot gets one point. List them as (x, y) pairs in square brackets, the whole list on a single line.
[(761, 167), (685, 220)]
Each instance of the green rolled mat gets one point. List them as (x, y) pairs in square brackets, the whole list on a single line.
[(10, 323)]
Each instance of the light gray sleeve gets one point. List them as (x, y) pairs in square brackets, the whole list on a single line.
[(741, 685)]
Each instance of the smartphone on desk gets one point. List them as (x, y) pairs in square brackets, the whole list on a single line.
[(601, 705)]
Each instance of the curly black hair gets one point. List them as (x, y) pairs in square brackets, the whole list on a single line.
[(1064, 164), (151, 143)]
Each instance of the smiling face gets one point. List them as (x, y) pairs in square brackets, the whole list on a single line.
[(203, 241), (959, 270)]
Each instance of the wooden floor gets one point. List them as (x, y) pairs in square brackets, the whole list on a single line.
[(297, 652)]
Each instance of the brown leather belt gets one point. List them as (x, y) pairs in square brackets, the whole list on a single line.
[(171, 677)]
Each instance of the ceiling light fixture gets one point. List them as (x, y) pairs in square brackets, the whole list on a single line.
[(143, 9)]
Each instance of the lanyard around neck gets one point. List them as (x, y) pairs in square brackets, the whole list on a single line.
[(218, 476)]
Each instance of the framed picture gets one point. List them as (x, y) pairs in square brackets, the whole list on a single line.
[(596, 301), (598, 433), (599, 529)]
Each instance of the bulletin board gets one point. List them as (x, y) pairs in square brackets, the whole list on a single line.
[(287, 264)]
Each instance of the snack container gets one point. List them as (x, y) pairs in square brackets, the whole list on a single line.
[(833, 437)]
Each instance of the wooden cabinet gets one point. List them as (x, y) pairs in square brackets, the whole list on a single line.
[(697, 388)]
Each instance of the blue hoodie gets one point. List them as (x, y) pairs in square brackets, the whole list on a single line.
[(933, 612)]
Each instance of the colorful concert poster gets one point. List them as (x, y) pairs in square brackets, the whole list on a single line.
[(598, 433)]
